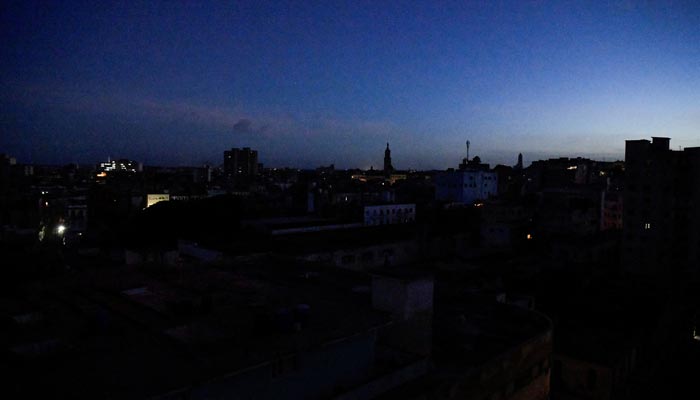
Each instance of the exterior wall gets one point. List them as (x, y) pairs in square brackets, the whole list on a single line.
[(496, 234), (610, 212), (400, 376), (410, 301), (240, 162), (315, 374), (521, 373), (152, 199), (693, 155), (77, 217), (190, 249), (464, 186), (575, 379), (567, 254), (390, 214), (169, 258), (660, 217), (402, 298), (362, 258)]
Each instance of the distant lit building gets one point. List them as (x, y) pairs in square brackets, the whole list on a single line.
[(152, 199), (122, 165), (240, 162), (661, 216), (473, 181), (6, 159)]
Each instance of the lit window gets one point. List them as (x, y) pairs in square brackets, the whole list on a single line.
[(647, 225)]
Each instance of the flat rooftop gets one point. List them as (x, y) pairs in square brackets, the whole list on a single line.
[(129, 332)]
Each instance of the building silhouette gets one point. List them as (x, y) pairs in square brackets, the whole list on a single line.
[(519, 165), (661, 220), (240, 163), (388, 168)]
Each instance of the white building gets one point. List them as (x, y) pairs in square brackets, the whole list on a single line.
[(466, 185), (390, 214), (152, 199)]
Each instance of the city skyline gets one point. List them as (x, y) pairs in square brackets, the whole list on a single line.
[(175, 84)]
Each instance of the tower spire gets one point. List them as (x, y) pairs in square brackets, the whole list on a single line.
[(519, 165), (387, 160)]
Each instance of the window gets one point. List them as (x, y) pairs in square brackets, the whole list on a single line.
[(647, 225)]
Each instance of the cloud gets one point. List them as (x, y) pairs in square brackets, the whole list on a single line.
[(245, 126)]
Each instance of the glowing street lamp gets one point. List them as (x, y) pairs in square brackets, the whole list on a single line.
[(60, 229)]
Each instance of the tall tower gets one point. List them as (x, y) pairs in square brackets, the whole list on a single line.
[(387, 160), (519, 165)]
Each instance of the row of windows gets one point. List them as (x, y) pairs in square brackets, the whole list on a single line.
[(367, 256), (393, 211), (380, 221), (466, 185)]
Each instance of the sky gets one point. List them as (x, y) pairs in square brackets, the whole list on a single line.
[(311, 83)]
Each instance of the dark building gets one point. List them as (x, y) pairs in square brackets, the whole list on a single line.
[(388, 168), (240, 162), (661, 217)]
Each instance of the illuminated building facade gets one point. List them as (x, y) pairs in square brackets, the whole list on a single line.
[(472, 182), (122, 165), (152, 199)]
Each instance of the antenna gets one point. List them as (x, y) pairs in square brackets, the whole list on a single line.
[(467, 150)]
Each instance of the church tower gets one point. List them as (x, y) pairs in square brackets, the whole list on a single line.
[(519, 165), (387, 160)]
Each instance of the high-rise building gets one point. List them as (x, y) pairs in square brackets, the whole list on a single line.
[(661, 217), (388, 168), (240, 162)]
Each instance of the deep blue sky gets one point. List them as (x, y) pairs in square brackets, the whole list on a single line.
[(312, 83)]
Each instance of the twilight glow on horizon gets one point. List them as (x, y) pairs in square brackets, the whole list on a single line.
[(315, 83)]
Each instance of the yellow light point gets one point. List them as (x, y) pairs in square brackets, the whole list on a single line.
[(529, 236)]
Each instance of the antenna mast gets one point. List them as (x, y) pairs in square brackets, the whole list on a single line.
[(467, 150)]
